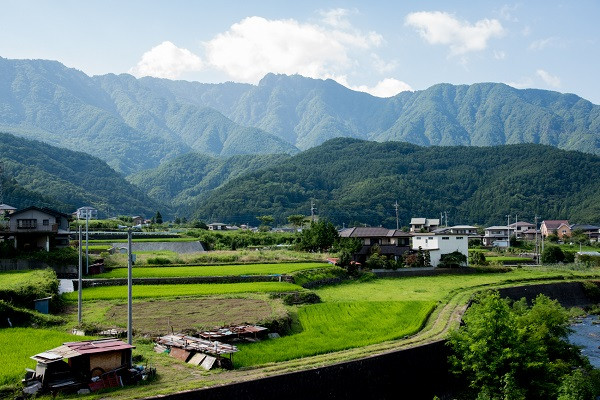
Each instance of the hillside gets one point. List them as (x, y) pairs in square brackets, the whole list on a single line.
[(306, 112), (136, 124), (36, 173), (355, 182), (187, 179), (115, 118)]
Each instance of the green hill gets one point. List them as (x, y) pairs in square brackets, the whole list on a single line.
[(36, 173), (355, 182), (185, 180)]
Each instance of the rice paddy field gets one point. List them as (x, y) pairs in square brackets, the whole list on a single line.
[(338, 326), (161, 291), (18, 344), (212, 270)]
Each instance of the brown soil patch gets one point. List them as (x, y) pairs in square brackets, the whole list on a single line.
[(161, 317)]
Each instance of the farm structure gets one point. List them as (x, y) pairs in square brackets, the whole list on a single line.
[(90, 365), (193, 350), (234, 332)]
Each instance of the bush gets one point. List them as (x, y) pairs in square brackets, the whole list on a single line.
[(452, 260), (291, 299), (319, 276), (159, 261), (552, 254), (478, 258)]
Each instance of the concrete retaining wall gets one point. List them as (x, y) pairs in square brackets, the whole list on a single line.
[(568, 294), (416, 373), (9, 264), (177, 247)]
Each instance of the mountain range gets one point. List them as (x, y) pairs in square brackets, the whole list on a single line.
[(137, 124)]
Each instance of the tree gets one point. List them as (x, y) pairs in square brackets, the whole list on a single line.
[(265, 222), (516, 352), (452, 260), (320, 236), (158, 218), (296, 219), (552, 254), (478, 258)]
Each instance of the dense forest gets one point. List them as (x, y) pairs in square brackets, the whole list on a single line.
[(36, 173), (357, 182), (137, 124)]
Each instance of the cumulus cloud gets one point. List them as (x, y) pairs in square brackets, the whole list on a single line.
[(550, 80), (166, 61), (256, 46), (461, 36), (336, 18), (386, 88)]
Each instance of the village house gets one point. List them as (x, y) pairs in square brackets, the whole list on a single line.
[(591, 231), (391, 242), (560, 227), (523, 230), (86, 212), (217, 226), (438, 244), (459, 230), (5, 209), (36, 228), (424, 224), (498, 236)]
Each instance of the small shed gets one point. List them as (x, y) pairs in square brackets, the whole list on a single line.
[(85, 359)]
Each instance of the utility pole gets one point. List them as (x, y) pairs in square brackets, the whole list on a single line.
[(446, 212), (87, 254), (312, 211), (537, 254), (508, 230), (397, 221), (1, 187), (79, 281), (129, 285)]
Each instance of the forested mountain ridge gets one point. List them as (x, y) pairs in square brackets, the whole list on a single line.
[(136, 124), (189, 178), (115, 118), (355, 182), (36, 173), (307, 112)]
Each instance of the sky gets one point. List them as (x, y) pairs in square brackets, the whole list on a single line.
[(380, 47)]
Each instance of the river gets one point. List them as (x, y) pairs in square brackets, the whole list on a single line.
[(586, 335)]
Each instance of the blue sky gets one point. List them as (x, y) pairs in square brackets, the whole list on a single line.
[(381, 47)]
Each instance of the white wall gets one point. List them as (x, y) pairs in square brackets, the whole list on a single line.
[(438, 245)]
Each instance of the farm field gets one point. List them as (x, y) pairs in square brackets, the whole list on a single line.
[(220, 270), (338, 326), (159, 317), (18, 344), (13, 280), (437, 288), (159, 291)]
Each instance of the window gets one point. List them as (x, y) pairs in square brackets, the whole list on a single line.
[(418, 238), (27, 223), (445, 238), (46, 222), (459, 238), (430, 238)]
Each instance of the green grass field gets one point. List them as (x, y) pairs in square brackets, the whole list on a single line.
[(218, 270), (338, 326), (13, 280), (203, 289), (18, 344)]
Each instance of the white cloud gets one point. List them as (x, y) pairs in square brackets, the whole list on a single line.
[(336, 18), (507, 12), (522, 84), (387, 87), (550, 80), (256, 46), (461, 36), (166, 61), (499, 55), (541, 44)]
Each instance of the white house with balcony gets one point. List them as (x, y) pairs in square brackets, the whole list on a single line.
[(498, 236), (439, 244), (86, 212)]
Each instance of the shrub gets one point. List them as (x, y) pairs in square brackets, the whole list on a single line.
[(319, 276), (159, 261), (552, 254), (478, 258), (291, 299), (452, 260)]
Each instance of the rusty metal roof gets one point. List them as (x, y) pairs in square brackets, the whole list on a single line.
[(75, 349), (193, 343)]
